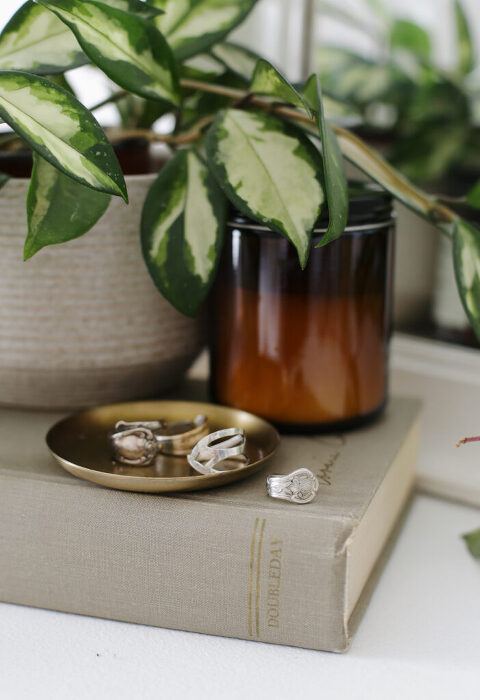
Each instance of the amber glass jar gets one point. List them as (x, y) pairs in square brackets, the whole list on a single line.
[(307, 349)]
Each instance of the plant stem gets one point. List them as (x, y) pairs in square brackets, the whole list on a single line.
[(431, 209), (109, 100), (467, 439)]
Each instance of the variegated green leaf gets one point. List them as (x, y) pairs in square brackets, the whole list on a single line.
[(360, 21), (352, 78), (199, 105), (336, 186), (138, 113), (56, 125), (136, 7), (376, 167), (466, 256), (466, 50), (192, 26), (182, 227), (202, 67), (267, 80), (58, 208), (128, 48), (270, 171), (35, 40), (408, 36), (340, 112), (472, 540), (382, 9), (236, 58)]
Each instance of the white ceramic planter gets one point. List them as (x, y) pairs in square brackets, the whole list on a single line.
[(82, 323)]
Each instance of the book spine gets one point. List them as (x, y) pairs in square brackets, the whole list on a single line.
[(179, 563)]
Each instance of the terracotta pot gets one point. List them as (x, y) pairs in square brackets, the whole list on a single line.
[(82, 323)]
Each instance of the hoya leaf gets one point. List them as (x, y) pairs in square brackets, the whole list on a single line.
[(473, 196), (472, 540), (128, 48), (267, 80), (408, 36), (192, 26), (236, 58), (355, 79), (270, 171), (136, 7), (203, 67), (381, 9), (60, 129), (466, 257), (35, 40), (198, 106), (182, 227), (58, 208), (466, 50), (333, 109), (377, 168), (336, 186), (137, 113)]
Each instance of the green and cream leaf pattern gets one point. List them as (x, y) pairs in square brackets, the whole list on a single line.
[(354, 79), (128, 48), (336, 186), (376, 167), (60, 129), (182, 228), (236, 58), (270, 171), (136, 7), (267, 80), (192, 26), (35, 40), (408, 36), (466, 256), (466, 57), (58, 208)]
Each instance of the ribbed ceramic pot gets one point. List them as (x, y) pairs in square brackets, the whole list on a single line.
[(81, 323)]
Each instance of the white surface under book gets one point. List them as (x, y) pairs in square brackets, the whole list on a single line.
[(447, 380)]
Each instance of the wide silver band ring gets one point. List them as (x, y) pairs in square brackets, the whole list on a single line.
[(299, 487), (218, 447)]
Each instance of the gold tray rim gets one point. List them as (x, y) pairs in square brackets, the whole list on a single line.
[(164, 484)]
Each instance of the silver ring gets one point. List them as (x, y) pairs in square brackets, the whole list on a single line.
[(137, 444), (300, 486), (135, 447), (229, 445)]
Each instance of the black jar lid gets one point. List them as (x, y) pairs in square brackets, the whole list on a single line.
[(370, 204)]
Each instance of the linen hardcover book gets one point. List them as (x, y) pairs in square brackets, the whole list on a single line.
[(230, 561)]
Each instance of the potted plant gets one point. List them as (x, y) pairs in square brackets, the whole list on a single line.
[(423, 117), (243, 135)]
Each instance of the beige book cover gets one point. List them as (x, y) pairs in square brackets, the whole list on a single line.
[(230, 561)]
